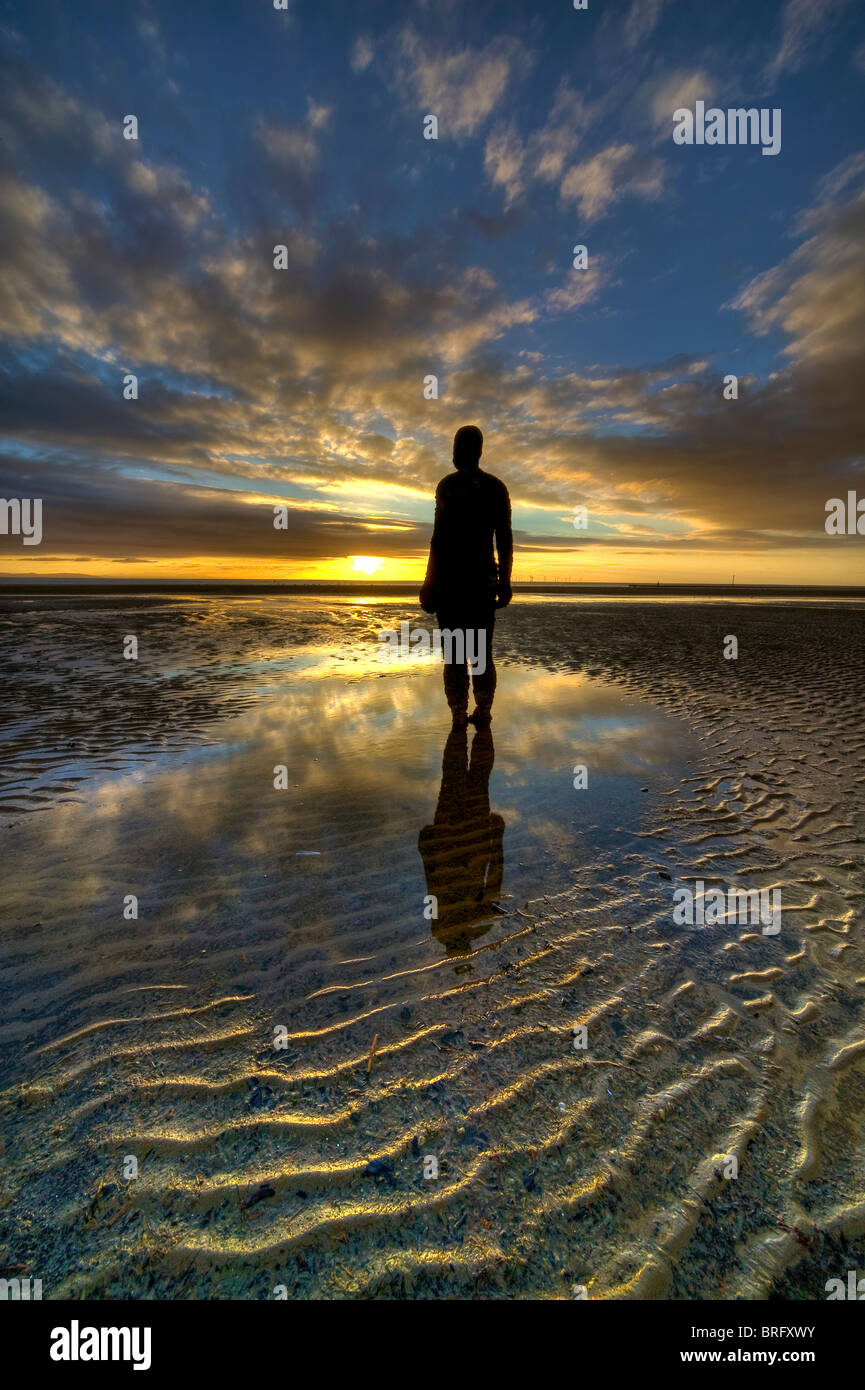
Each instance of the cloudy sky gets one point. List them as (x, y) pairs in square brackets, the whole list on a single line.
[(409, 258)]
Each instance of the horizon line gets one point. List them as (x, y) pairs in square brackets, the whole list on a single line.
[(403, 586)]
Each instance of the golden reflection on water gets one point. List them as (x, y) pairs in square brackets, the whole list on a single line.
[(372, 775)]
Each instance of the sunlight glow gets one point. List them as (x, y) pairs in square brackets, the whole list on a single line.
[(366, 564)]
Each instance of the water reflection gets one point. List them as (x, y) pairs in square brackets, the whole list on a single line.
[(462, 851), (307, 897), (204, 829)]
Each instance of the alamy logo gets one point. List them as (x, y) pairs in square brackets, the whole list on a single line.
[(739, 906), (738, 126), (846, 520), (855, 1287), (22, 516), (20, 1288), (76, 1343), (458, 646)]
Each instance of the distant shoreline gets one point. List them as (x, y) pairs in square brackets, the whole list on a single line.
[(403, 589)]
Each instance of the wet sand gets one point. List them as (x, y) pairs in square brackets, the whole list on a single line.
[(297, 916)]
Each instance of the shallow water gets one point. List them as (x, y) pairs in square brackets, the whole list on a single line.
[(282, 1040)]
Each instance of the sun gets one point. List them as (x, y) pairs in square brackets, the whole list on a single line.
[(366, 564)]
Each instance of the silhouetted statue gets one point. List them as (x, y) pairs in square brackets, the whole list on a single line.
[(464, 585), (462, 850)]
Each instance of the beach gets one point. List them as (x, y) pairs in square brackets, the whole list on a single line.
[(244, 1055)]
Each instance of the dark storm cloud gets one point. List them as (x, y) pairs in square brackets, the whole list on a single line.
[(106, 512)]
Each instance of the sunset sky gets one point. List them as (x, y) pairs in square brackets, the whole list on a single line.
[(406, 258)]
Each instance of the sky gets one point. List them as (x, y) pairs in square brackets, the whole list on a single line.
[(306, 387)]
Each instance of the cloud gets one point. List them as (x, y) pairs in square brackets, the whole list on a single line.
[(41, 114), (310, 380), (848, 171), (504, 161), (664, 95), (37, 290), (803, 25), (550, 147), (579, 288), (516, 164), (169, 189), (641, 20), (95, 510), (617, 172), (461, 88), (513, 163), (362, 53), (817, 296), (295, 148)]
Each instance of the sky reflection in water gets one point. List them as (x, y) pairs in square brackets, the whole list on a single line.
[(382, 806)]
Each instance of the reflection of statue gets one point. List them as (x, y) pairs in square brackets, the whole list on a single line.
[(462, 850)]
